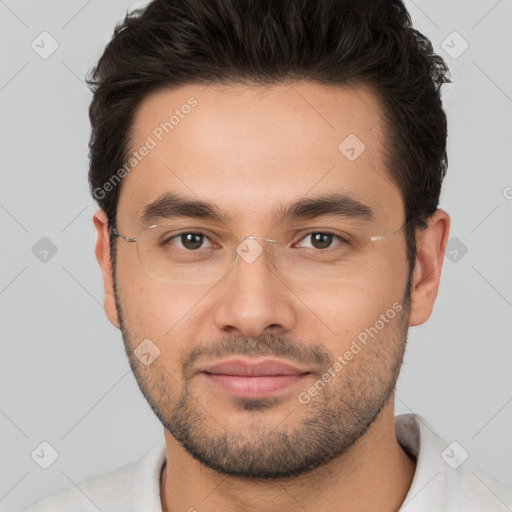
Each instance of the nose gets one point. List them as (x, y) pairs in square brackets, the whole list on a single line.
[(253, 299)]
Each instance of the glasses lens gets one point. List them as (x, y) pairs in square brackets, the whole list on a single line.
[(195, 257), (182, 256)]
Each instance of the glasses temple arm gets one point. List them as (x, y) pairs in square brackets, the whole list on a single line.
[(383, 237)]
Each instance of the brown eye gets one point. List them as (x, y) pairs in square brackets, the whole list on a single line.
[(189, 241), (192, 240), (320, 240)]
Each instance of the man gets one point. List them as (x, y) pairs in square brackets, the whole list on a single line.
[(268, 175)]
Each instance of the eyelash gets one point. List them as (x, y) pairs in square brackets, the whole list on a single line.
[(339, 238), (336, 237)]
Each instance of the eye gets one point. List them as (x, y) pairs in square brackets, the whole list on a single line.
[(321, 240), (188, 240)]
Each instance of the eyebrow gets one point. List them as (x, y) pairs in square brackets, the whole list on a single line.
[(335, 203), (170, 205)]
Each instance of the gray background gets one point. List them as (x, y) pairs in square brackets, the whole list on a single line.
[(64, 376)]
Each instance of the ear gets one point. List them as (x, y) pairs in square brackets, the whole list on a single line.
[(431, 245), (103, 256)]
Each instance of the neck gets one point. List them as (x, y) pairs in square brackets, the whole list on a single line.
[(374, 475)]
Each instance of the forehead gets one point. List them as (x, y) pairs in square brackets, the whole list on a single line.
[(248, 148)]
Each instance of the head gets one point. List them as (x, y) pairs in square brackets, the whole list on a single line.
[(275, 120)]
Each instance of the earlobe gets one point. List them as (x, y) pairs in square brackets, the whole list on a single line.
[(102, 252), (431, 244)]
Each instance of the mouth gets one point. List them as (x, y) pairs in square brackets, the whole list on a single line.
[(247, 379)]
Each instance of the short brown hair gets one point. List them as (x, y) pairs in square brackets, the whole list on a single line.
[(174, 42)]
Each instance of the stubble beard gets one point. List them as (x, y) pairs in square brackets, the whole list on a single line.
[(329, 424)]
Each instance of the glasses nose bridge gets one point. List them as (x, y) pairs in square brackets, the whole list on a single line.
[(250, 237), (249, 248)]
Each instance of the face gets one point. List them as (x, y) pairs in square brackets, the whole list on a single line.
[(339, 323)]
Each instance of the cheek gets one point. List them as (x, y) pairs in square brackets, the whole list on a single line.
[(339, 311), (159, 309), (166, 314)]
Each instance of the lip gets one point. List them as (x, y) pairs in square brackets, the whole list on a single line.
[(247, 379), (247, 368)]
